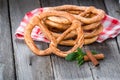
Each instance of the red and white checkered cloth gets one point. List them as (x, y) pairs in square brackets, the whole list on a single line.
[(111, 27)]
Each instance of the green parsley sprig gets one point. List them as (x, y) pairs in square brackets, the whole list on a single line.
[(78, 56)]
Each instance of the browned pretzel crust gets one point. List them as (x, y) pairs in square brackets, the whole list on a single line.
[(83, 10), (38, 21), (67, 25)]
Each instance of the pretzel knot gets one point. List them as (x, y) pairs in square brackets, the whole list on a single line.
[(38, 20), (90, 17)]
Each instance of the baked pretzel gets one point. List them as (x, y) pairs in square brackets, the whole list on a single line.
[(95, 27), (72, 42), (84, 10), (94, 32), (89, 16), (87, 35), (38, 21), (59, 26), (67, 25), (60, 20), (91, 26)]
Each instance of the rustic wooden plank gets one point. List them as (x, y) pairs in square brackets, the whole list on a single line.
[(28, 66), (6, 52), (97, 4), (64, 70), (1, 71), (56, 3), (109, 67), (113, 8)]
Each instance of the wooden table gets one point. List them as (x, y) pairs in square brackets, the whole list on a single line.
[(17, 62)]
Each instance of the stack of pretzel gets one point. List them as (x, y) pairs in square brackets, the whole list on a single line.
[(90, 17), (68, 25)]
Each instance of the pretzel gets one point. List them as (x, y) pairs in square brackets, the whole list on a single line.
[(72, 42), (67, 25), (56, 25), (91, 26), (90, 40), (88, 37), (62, 26), (95, 32), (70, 35), (89, 16), (38, 21), (99, 13), (60, 20), (74, 12)]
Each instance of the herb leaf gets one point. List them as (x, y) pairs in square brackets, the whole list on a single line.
[(78, 56), (80, 51), (80, 62), (80, 59), (72, 56)]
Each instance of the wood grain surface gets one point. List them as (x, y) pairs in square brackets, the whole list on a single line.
[(6, 52), (17, 61)]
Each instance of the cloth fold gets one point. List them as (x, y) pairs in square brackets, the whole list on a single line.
[(111, 27)]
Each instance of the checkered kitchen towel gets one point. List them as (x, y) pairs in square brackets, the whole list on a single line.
[(111, 27)]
